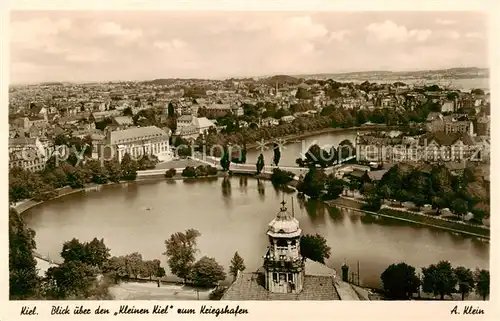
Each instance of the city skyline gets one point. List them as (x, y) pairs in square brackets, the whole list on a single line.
[(81, 46)]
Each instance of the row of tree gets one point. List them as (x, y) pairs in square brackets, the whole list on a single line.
[(317, 156), (199, 171), (329, 117), (317, 184), (437, 186), (24, 184), (400, 281)]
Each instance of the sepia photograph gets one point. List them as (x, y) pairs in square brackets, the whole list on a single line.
[(248, 156)]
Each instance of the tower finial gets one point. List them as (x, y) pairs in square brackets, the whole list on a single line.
[(283, 208)]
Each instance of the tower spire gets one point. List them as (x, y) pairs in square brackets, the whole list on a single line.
[(283, 208)]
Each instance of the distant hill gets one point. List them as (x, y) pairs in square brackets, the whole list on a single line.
[(161, 81), (281, 80), (467, 72), (52, 84)]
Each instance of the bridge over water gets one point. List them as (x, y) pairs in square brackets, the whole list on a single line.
[(241, 168)]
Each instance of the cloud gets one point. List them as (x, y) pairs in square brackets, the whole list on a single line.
[(445, 22), (390, 31), (48, 46), (88, 56), (120, 34), (338, 35), (172, 45), (474, 35), (38, 33), (448, 34)]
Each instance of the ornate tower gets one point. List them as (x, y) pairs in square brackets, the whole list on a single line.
[(283, 264)]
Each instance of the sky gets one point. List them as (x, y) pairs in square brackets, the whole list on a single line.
[(112, 45)]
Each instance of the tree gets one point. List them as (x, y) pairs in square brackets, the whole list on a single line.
[(302, 93), (313, 183), (438, 203), (97, 172), (318, 156), (439, 279), (181, 248), (243, 159), (346, 149), (170, 110), (399, 281), (71, 280), (116, 268), (280, 177), (149, 268), (113, 170), (189, 172), (96, 253), (465, 280), (478, 92), (459, 207), (260, 163), (482, 278), (170, 173), (23, 277), (87, 145), (207, 272), (314, 247), (128, 112), (335, 187), (128, 168), (277, 154), (419, 200), (385, 192), (225, 162), (77, 178), (452, 95), (74, 250), (134, 264), (237, 265)]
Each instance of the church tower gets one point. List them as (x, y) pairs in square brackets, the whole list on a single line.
[(283, 264)]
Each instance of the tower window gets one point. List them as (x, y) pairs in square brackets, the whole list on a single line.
[(281, 242), (275, 277), (290, 277)]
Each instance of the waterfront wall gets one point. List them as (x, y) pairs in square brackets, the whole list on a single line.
[(417, 218)]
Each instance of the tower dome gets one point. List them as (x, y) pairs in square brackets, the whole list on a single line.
[(284, 225)]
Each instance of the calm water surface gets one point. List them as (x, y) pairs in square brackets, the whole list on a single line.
[(232, 215), (293, 150)]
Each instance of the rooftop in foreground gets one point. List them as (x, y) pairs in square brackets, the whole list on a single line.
[(249, 286), (320, 284)]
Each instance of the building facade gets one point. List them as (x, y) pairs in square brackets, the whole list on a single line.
[(28, 153), (459, 127), (433, 147), (137, 142)]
